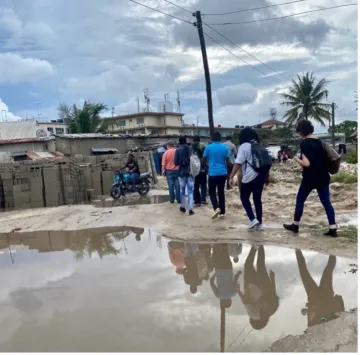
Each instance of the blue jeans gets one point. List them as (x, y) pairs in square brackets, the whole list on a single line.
[(133, 178), (324, 195), (172, 177), (187, 181)]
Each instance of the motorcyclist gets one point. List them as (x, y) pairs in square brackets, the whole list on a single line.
[(133, 169)]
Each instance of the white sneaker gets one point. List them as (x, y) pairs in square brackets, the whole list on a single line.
[(253, 224), (260, 227), (222, 216)]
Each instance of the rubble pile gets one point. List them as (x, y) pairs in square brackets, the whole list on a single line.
[(349, 168)]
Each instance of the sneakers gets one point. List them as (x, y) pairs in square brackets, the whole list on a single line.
[(191, 213), (292, 228), (222, 216), (253, 224), (216, 213), (260, 227), (204, 202), (331, 233), (182, 210)]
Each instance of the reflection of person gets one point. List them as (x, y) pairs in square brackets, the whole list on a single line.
[(205, 249), (225, 288), (235, 250), (191, 275), (176, 256), (259, 297), (322, 301)]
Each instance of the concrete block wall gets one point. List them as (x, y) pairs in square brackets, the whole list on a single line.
[(35, 184)]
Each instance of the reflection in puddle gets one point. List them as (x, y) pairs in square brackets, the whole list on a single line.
[(132, 200), (85, 286)]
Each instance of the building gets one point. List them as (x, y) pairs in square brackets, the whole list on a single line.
[(271, 124), (157, 123), (326, 137), (54, 126)]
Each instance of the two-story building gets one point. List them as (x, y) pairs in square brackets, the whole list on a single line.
[(156, 123), (54, 126)]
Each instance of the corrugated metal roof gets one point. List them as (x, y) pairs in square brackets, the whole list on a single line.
[(104, 150), (44, 155), (95, 135), (18, 154), (25, 140)]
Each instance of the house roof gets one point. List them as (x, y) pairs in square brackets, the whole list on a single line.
[(20, 129), (273, 122), (25, 140), (142, 114)]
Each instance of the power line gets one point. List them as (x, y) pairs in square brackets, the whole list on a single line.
[(228, 50), (164, 13), (182, 8), (282, 17), (254, 8), (242, 49)]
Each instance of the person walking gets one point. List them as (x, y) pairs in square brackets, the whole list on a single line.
[(252, 182), (233, 152), (200, 180), (313, 159), (217, 155), (171, 171), (186, 181)]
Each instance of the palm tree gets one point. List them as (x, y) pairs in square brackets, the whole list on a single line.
[(84, 120), (306, 99)]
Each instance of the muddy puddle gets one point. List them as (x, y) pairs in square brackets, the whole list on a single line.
[(129, 289), (132, 200)]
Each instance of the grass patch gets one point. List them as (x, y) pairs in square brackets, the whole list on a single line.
[(352, 158), (344, 178), (350, 233)]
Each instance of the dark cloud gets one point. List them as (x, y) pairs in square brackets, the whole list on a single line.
[(287, 31)]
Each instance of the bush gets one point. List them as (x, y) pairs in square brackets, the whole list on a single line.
[(352, 158), (344, 178)]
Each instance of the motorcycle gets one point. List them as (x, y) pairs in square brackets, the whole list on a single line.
[(122, 184)]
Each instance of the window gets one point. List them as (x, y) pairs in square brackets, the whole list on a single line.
[(155, 131), (67, 130), (121, 123), (59, 130), (139, 121), (50, 129)]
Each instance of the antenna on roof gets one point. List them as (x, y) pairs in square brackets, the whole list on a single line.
[(138, 104), (4, 115), (39, 110), (178, 100), (147, 99)]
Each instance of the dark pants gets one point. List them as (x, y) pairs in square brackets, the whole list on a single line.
[(324, 195), (254, 187), (172, 177), (200, 184), (217, 183), (229, 171)]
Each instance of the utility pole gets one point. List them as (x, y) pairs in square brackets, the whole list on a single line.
[(333, 124), (198, 24)]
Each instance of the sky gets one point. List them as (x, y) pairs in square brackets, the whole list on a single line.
[(54, 51)]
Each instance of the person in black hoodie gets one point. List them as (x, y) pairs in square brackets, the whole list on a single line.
[(201, 179), (312, 158), (182, 160)]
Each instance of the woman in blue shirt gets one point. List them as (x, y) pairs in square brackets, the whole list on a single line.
[(217, 154)]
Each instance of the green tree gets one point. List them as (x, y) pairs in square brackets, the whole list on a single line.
[(84, 120), (347, 127), (305, 96)]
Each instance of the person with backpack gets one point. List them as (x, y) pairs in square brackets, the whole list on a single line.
[(313, 158), (200, 187), (256, 163), (186, 180), (218, 157)]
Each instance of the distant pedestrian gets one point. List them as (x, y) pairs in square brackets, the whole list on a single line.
[(171, 171), (252, 181), (233, 152), (217, 155), (313, 159), (186, 181), (201, 179)]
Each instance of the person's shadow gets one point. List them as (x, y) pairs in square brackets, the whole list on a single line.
[(259, 297), (322, 302)]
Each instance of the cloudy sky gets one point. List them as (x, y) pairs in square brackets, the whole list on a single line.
[(54, 51)]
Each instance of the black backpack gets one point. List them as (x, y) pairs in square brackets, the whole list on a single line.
[(262, 161)]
